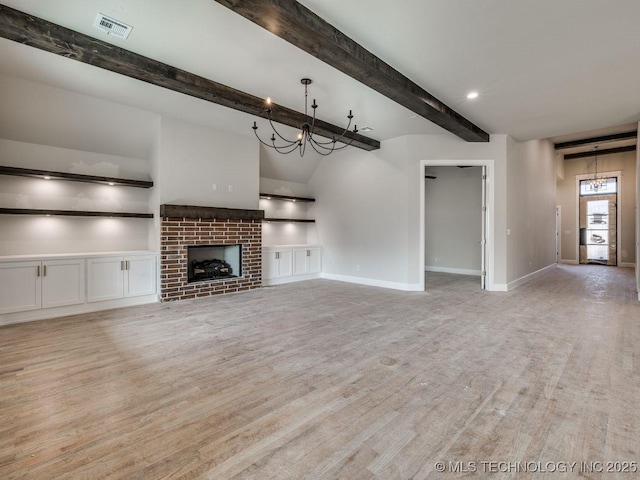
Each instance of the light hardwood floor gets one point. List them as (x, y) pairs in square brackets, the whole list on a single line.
[(327, 380)]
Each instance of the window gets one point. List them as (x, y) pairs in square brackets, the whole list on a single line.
[(607, 186)]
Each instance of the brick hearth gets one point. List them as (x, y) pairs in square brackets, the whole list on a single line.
[(181, 228)]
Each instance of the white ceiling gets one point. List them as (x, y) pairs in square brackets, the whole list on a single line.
[(543, 68)]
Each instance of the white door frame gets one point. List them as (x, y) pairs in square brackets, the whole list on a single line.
[(490, 227), (587, 176), (558, 233)]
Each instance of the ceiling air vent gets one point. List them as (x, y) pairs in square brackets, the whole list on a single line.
[(112, 26)]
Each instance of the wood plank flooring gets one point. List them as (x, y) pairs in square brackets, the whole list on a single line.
[(327, 380)]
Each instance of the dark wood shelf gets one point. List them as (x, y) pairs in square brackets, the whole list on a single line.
[(290, 220), (72, 213), (74, 177), (268, 196)]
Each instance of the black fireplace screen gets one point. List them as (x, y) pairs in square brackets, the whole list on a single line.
[(214, 262)]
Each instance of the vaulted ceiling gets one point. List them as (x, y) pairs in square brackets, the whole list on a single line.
[(542, 69)]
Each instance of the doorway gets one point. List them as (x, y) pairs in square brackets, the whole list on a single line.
[(478, 249), (598, 222)]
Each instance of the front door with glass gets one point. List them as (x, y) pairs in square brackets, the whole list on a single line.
[(598, 226)]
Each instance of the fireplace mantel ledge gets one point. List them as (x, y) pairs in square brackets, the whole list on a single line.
[(209, 213)]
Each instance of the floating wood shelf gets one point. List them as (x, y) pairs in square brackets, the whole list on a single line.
[(290, 220), (72, 213), (74, 177), (268, 196)]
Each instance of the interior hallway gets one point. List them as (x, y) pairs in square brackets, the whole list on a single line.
[(324, 380)]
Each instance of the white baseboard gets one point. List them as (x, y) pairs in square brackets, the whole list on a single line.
[(407, 287), (526, 278), (569, 262), (42, 314), (455, 271), (290, 279), (627, 265)]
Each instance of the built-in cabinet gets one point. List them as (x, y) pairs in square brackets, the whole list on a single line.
[(306, 260), (290, 263), (34, 285), (32, 288), (277, 263), (111, 278)]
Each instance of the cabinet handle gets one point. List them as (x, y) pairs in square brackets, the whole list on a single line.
[(121, 264), (44, 271), (308, 253), (38, 271), (277, 255), (126, 265)]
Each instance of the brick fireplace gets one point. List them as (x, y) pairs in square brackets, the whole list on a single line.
[(185, 226)]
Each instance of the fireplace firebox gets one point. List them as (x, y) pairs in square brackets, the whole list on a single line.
[(213, 262)]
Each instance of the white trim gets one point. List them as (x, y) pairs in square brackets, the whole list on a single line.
[(44, 313), (587, 176), (558, 233), (531, 276), (455, 271), (407, 287), (289, 279), (627, 265), (490, 228), (567, 261)]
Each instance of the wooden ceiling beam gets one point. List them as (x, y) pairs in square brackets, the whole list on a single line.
[(593, 140), (301, 27), (607, 151), (38, 33)]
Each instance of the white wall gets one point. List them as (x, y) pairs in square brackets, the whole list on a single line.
[(368, 208), (627, 201), (453, 220), (531, 207), (47, 128), (361, 214), (35, 113), (193, 158), (637, 239), (26, 234)]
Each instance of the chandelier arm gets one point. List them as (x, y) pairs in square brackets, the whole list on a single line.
[(282, 149), (293, 149), (319, 149), (339, 137), (290, 142)]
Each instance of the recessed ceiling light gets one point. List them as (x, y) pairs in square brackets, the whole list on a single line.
[(47, 177), (366, 129), (472, 95)]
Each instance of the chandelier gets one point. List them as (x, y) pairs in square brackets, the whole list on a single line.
[(596, 183), (306, 136)]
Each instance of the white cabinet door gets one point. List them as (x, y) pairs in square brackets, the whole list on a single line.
[(285, 262), (140, 275), (277, 262), (269, 264), (105, 278), (20, 286), (306, 260), (314, 260), (300, 262), (62, 282)]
